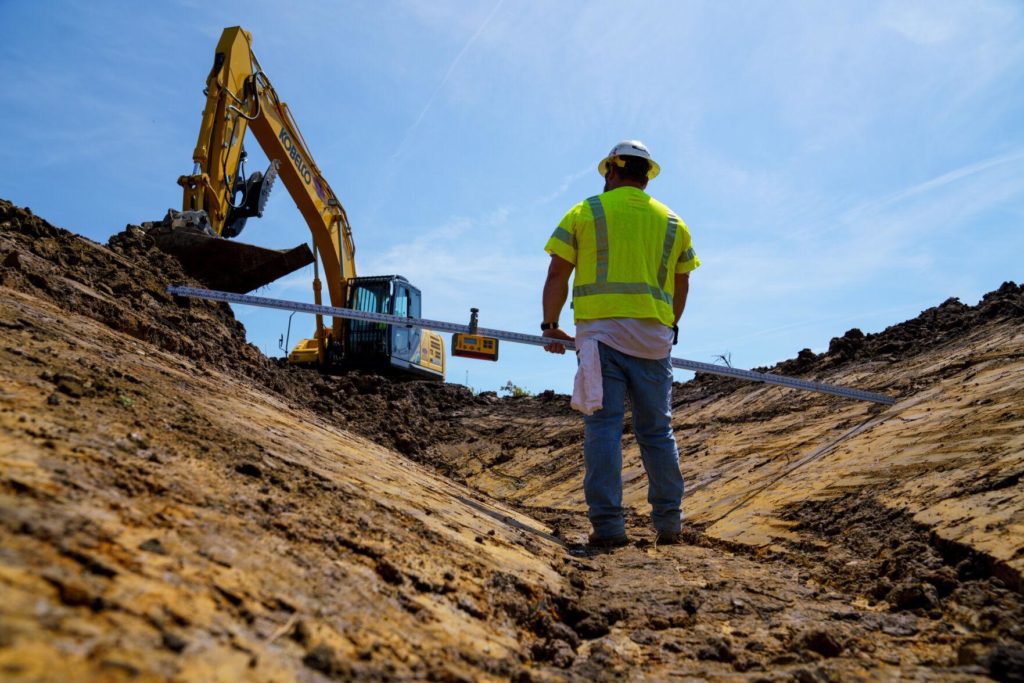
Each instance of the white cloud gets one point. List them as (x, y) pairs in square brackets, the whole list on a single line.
[(462, 263), (444, 80), (923, 23), (842, 247), (948, 178), (567, 182)]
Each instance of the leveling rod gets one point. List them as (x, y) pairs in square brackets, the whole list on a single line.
[(517, 338)]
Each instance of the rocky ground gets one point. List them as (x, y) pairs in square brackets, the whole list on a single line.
[(175, 506)]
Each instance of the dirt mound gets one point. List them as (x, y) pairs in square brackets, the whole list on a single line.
[(405, 416), (932, 328), (123, 285)]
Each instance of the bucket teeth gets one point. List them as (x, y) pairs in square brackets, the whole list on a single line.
[(255, 191), (267, 185)]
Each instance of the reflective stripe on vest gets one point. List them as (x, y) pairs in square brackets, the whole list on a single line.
[(600, 238), (621, 288), (666, 251), (602, 286), (563, 235)]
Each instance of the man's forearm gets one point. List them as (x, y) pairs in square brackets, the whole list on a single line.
[(556, 291), (556, 288), (679, 298)]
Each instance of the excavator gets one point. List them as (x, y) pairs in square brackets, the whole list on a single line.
[(218, 200)]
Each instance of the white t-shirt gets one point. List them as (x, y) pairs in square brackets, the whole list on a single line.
[(631, 336)]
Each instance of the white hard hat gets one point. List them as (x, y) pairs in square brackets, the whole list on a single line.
[(629, 148)]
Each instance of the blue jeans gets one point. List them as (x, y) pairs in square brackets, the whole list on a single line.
[(648, 383)]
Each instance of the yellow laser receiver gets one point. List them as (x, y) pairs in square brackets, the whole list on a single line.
[(473, 345)]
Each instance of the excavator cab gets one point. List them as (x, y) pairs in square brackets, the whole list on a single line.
[(390, 348)]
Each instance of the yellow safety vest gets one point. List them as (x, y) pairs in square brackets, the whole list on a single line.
[(627, 248)]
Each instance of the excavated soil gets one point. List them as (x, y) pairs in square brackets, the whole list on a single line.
[(176, 506), (123, 285)]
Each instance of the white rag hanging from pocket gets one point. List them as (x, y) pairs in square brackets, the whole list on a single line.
[(588, 387)]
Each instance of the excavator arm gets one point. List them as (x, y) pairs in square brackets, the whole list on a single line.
[(239, 97), (218, 199)]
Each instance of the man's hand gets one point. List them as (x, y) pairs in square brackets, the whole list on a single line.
[(556, 334)]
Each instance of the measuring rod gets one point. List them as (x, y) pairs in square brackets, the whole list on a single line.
[(518, 338)]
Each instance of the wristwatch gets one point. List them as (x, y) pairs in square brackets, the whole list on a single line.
[(549, 326)]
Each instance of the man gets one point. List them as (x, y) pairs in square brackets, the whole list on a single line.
[(632, 257)]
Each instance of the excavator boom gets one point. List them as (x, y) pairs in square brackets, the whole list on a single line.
[(239, 97), (218, 199)]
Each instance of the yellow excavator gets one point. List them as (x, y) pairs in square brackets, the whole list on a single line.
[(219, 199)]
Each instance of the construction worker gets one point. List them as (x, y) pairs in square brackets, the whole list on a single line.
[(632, 257)]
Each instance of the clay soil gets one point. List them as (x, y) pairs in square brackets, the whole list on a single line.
[(176, 506)]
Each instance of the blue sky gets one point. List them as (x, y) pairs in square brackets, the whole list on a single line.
[(839, 164)]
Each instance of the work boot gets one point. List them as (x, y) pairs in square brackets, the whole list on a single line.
[(595, 541), (667, 538)]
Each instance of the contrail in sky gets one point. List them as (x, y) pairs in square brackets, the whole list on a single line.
[(950, 177), (451, 68)]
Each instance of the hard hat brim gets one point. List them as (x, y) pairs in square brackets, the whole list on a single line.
[(652, 172)]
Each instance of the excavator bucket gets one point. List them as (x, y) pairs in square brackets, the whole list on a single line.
[(222, 263)]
